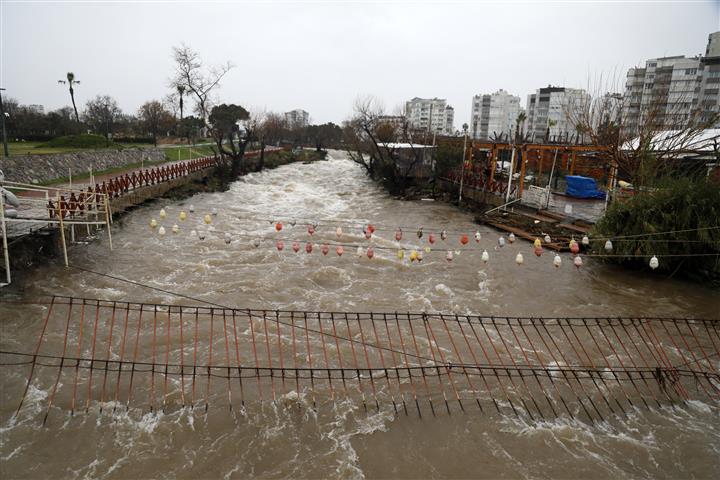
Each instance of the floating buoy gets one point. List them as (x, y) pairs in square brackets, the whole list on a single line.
[(478, 237), (175, 229), (214, 212), (161, 231), (431, 238), (511, 237), (311, 229), (370, 252), (295, 247), (324, 249), (228, 238), (193, 233), (280, 245), (537, 243), (398, 234), (191, 209), (256, 243), (278, 226), (413, 255), (359, 252), (654, 263), (608, 246), (153, 223), (338, 232), (427, 249), (207, 219), (201, 235), (449, 256), (578, 262), (557, 261), (308, 247), (464, 239), (420, 232), (501, 242), (370, 228), (183, 216), (519, 259), (339, 250), (485, 256), (585, 240), (538, 251), (443, 235), (400, 254), (547, 238), (163, 213), (368, 234), (574, 247)]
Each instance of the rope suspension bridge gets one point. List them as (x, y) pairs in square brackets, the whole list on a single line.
[(166, 357)]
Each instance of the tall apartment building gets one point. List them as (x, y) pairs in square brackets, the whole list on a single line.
[(494, 115), (669, 92), (549, 108), (432, 114), (297, 118)]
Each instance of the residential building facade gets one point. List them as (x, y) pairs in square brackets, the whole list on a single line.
[(297, 118), (670, 92), (431, 114), (549, 112), (494, 115)]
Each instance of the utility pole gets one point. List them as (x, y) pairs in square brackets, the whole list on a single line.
[(462, 170), (107, 125), (4, 133)]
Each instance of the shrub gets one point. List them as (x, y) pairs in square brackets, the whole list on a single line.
[(76, 141)]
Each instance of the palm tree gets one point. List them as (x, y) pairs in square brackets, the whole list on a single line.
[(71, 81), (181, 92), (520, 120), (550, 124)]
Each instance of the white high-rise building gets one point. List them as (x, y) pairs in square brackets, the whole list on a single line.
[(670, 92), (494, 115), (550, 108), (431, 114), (297, 118)]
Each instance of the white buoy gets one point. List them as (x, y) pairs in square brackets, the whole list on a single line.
[(256, 243), (163, 213), (585, 240), (193, 233), (214, 212), (191, 209), (511, 237), (547, 238), (501, 242), (485, 256), (578, 261), (557, 261), (519, 259), (478, 237), (359, 252), (228, 238), (654, 263), (449, 256), (608, 246), (175, 228), (338, 232), (161, 231), (153, 223)]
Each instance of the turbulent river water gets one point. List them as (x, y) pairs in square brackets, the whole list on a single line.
[(340, 439)]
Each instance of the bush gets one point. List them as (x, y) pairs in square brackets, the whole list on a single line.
[(689, 208), (76, 141)]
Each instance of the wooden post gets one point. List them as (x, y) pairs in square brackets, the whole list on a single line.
[(62, 229), (107, 219), (572, 163), (493, 153), (6, 254), (541, 156), (523, 160)]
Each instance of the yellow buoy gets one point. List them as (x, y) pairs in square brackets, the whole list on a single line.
[(153, 223), (208, 219), (163, 214), (183, 216)]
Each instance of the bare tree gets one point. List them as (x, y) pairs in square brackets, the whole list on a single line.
[(192, 77), (155, 118), (101, 113)]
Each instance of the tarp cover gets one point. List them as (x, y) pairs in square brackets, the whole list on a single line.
[(582, 187)]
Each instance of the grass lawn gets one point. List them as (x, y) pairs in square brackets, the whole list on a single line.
[(186, 152), (34, 148)]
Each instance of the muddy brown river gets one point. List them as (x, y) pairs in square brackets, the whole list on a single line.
[(339, 439)]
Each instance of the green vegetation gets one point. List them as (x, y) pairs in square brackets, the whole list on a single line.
[(83, 141), (187, 152), (67, 144), (688, 207)]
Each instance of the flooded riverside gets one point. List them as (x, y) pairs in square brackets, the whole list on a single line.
[(338, 439)]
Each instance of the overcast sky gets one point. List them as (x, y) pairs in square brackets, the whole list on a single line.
[(320, 55)]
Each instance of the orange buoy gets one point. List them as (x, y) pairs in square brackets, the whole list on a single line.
[(370, 228), (278, 226), (464, 239)]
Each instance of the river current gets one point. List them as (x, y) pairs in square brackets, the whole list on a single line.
[(340, 439)]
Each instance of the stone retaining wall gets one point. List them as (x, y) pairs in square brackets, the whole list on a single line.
[(44, 168)]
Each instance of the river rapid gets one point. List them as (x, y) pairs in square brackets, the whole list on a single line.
[(340, 439)]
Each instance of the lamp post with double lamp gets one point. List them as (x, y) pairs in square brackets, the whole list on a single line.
[(462, 169), (4, 133), (107, 125)]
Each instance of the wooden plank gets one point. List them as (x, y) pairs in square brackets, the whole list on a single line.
[(574, 228), (519, 232)]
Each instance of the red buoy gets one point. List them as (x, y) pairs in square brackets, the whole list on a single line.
[(308, 247), (278, 226), (431, 238), (464, 239), (370, 252)]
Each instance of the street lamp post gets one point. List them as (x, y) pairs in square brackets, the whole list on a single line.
[(107, 125), (462, 169), (4, 133)]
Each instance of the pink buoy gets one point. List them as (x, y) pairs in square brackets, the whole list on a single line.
[(449, 256), (308, 247), (368, 234), (370, 228), (296, 247), (280, 245), (431, 238), (324, 249), (311, 229), (578, 262), (574, 247), (339, 250), (398, 234), (538, 251), (370, 252)]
